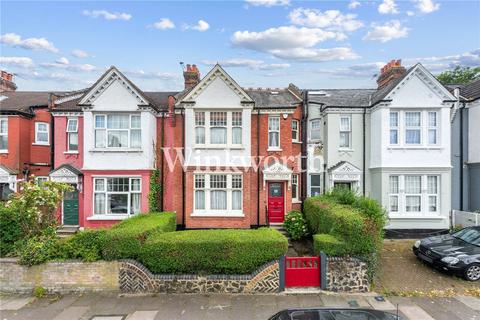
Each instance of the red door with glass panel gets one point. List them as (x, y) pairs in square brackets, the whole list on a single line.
[(276, 202)]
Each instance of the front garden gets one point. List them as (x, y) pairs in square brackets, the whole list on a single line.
[(28, 224)]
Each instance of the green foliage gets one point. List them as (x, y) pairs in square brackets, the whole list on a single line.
[(126, 238), (39, 292), (36, 206), (85, 245), (459, 75), (38, 249), (10, 230), (212, 251), (329, 244), (295, 225), (155, 191)]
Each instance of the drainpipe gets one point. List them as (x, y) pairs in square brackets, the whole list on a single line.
[(304, 159), (183, 171), (52, 133), (364, 150), (162, 137), (258, 170), (461, 158)]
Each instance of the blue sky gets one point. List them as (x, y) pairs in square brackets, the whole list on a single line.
[(261, 43)]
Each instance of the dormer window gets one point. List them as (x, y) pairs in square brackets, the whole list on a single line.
[(118, 131)]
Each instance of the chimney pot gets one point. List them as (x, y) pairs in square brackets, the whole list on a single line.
[(391, 71), (191, 76), (7, 83)]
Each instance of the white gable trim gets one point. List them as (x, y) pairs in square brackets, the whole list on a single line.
[(63, 175), (346, 172), (216, 72), (427, 78), (277, 172), (106, 80)]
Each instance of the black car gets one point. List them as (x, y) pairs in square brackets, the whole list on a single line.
[(333, 314), (458, 252)]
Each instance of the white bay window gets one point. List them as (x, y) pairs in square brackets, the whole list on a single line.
[(218, 194), (118, 131), (414, 128), (117, 195), (218, 128)]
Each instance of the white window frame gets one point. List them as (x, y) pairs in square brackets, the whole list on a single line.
[(432, 128), (236, 125), (315, 186), (295, 130), (394, 128), (229, 126), (394, 195), (47, 131), (106, 130), (319, 129), (41, 179), (417, 128), (436, 195), (345, 131), (207, 211), (71, 132), (4, 134), (200, 125), (106, 193), (277, 147), (295, 187)]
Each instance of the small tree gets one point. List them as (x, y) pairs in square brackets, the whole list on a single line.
[(459, 75), (36, 205)]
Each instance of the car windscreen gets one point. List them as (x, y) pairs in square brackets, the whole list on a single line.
[(469, 235)]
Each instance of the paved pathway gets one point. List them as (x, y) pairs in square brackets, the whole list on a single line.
[(101, 306)]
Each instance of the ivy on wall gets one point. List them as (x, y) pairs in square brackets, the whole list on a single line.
[(155, 192)]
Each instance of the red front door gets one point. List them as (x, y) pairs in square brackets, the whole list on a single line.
[(276, 202)]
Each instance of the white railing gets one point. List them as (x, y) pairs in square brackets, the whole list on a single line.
[(463, 219)]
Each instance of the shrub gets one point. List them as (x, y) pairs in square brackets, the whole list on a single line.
[(10, 230), (125, 239), (329, 244), (37, 249), (295, 225), (39, 292), (212, 251), (85, 245)]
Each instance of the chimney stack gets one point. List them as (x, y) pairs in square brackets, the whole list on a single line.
[(6, 82), (191, 76), (391, 71)]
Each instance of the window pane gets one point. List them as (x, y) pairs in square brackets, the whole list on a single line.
[(237, 135), (432, 203), (394, 184), (200, 135), (412, 119), (42, 127), (42, 137), (73, 141), (432, 119), (237, 200), (199, 199), (344, 139), (218, 119), (218, 181), (218, 135), (99, 138), (432, 184), (99, 121), (99, 207), (345, 124), (393, 136), (135, 138), (99, 185), (3, 142), (413, 184), (118, 139), (393, 119), (273, 140), (274, 124), (135, 203), (413, 203), (117, 203), (117, 121), (218, 200), (199, 181), (294, 191), (315, 192), (117, 184), (135, 184), (199, 118), (315, 124), (315, 180), (3, 126), (432, 136), (135, 122), (394, 203), (412, 136), (237, 181), (294, 125), (236, 119), (72, 125)]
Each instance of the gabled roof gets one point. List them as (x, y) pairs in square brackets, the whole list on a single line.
[(217, 71), (68, 167), (471, 91), (273, 98), (22, 102), (352, 98), (7, 169), (344, 166)]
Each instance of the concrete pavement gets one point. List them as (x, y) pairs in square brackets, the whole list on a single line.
[(111, 306)]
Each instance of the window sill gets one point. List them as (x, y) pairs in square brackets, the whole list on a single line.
[(222, 147), (274, 149), (106, 217), (420, 215), (414, 147), (115, 150), (218, 215), (41, 144), (296, 201), (297, 142), (70, 152), (345, 150), (3, 151)]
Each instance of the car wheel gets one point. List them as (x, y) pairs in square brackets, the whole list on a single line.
[(472, 272)]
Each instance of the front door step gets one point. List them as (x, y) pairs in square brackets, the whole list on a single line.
[(67, 230)]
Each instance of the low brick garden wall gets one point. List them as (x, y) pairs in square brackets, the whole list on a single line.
[(136, 278), (345, 274), (59, 277)]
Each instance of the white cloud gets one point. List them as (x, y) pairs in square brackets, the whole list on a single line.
[(248, 63), (22, 62), (63, 63), (366, 70), (63, 60), (77, 53), (410, 13), (354, 4), (388, 7), (107, 15), (38, 44), (386, 32), (440, 63), (290, 42), (427, 6), (164, 24), (268, 3), (330, 19), (141, 74), (201, 26)]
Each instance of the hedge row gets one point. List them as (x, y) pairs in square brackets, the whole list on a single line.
[(212, 251)]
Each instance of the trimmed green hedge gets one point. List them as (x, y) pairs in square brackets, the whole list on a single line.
[(212, 251), (330, 245), (124, 240)]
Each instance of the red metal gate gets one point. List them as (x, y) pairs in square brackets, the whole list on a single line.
[(302, 271)]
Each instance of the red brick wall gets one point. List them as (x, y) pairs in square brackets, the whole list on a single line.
[(61, 143)]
